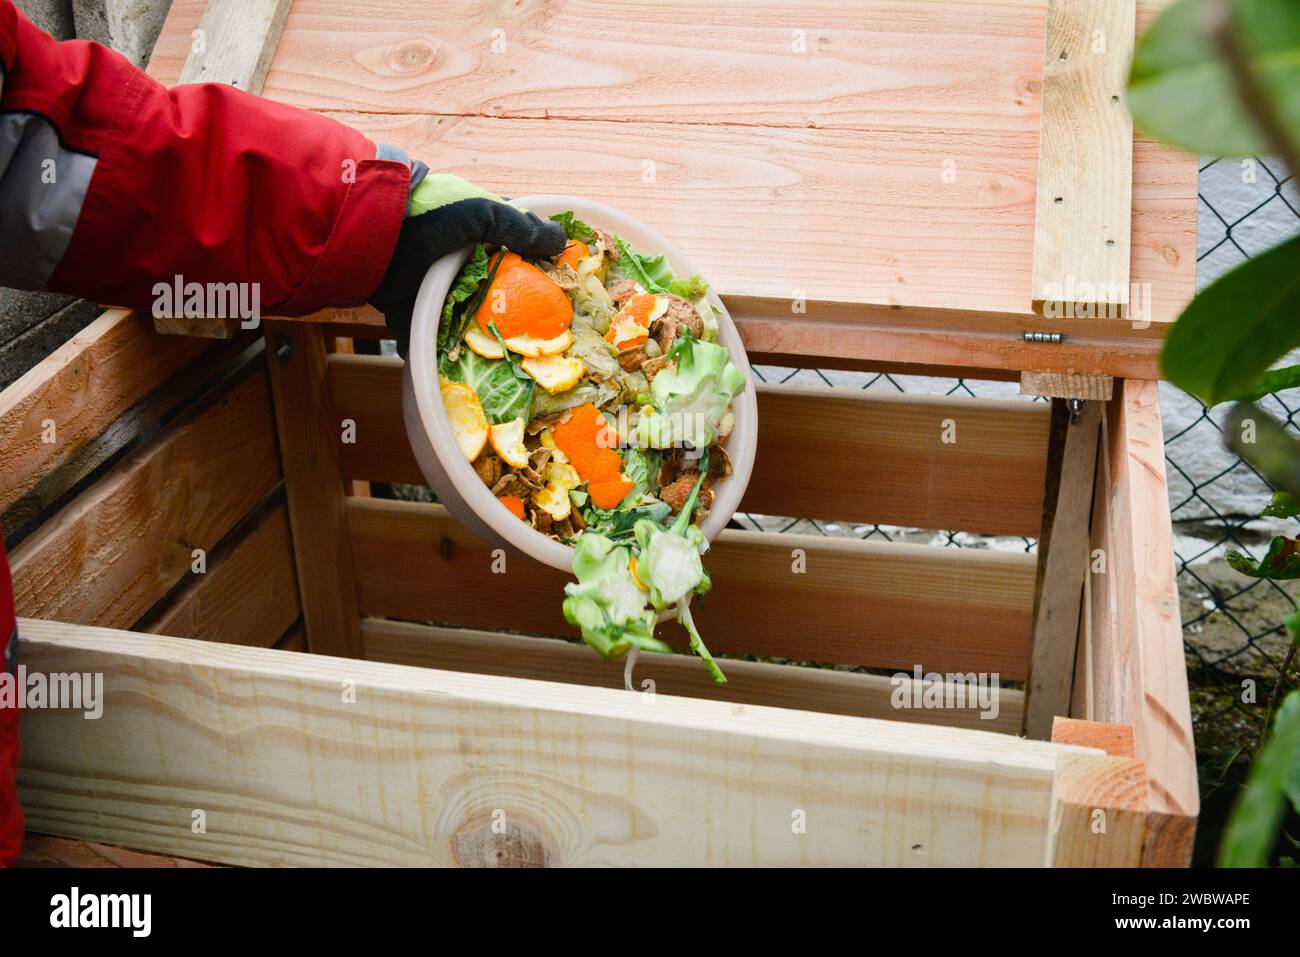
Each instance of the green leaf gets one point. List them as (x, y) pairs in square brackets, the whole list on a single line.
[(1275, 380), (692, 287), (472, 274), (509, 357), (1265, 443), (654, 274), (605, 601), (690, 398), (1284, 505), (619, 524), (1281, 562), (1181, 90), (1252, 829), (574, 228), (641, 468), (1241, 324), (504, 395)]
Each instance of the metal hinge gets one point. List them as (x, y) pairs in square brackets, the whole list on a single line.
[(1054, 338)]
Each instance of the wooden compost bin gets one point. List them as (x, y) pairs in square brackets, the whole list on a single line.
[(860, 181)]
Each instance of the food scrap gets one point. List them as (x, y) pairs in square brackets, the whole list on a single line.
[(591, 396)]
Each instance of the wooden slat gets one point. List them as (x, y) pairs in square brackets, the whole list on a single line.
[(82, 388), (42, 850), (368, 390), (1067, 385), (117, 548), (882, 604), (1084, 188), (310, 437), (1062, 566), (238, 41), (789, 192), (294, 639), (865, 66), (1136, 673), (247, 596), (836, 454), (748, 682), (409, 770), (865, 457)]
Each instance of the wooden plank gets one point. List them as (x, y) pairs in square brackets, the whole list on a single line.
[(1083, 202), (748, 682), (1114, 739), (410, 769), (248, 594), (1067, 385), (236, 42), (1136, 669), (817, 450), (788, 191), (202, 327), (117, 548), (295, 639), (42, 850), (81, 389), (831, 63), (309, 450), (368, 390), (935, 462), (1098, 812), (1063, 561), (190, 387), (854, 602)]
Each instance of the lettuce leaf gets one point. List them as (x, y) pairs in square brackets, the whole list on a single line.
[(655, 275), (471, 277), (690, 400), (641, 467), (605, 601), (669, 566), (503, 394), (574, 228)]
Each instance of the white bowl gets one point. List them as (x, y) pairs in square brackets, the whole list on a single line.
[(445, 467)]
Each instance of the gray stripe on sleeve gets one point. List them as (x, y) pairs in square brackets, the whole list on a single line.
[(42, 187)]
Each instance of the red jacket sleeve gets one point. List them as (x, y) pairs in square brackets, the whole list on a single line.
[(201, 181)]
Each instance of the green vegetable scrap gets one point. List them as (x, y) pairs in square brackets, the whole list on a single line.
[(605, 601), (608, 604), (503, 394), (690, 399)]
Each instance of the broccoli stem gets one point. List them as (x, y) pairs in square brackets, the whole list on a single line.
[(697, 643)]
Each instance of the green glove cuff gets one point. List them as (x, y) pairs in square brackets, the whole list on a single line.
[(439, 189)]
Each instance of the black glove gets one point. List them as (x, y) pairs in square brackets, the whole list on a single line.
[(450, 213)]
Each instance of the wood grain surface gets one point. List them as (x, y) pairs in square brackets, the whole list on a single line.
[(416, 765)]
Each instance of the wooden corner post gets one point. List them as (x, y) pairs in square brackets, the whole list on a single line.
[(313, 482)]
